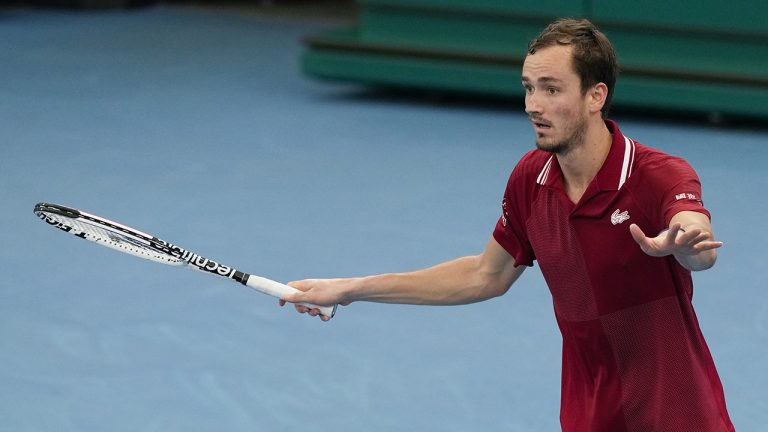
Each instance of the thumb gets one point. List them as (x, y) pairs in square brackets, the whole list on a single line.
[(298, 295), (637, 233)]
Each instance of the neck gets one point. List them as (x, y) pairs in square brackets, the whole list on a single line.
[(582, 162)]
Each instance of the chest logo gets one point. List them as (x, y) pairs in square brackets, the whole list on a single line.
[(617, 218)]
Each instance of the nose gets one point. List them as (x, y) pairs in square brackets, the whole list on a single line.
[(532, 105)]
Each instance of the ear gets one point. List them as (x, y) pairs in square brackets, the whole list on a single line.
[(597, 96)]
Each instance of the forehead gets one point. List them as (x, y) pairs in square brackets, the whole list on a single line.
[(551, 62)]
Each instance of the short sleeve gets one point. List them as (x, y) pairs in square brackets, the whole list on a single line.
[(510, 230), (682, 190)]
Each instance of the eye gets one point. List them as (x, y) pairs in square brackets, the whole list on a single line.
[(552, 90), (528, 88)]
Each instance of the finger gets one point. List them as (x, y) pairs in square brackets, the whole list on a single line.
[(699, 240), (685, 240), (707, 245), (293, 297), (637, 234), (672, 234), (646, 244), (698, 236)]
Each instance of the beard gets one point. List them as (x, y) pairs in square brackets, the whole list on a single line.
[(574, 137)]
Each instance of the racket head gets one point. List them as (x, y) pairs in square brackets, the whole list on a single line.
[(107, 233)]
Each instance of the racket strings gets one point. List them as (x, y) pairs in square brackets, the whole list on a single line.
[(112, 238)]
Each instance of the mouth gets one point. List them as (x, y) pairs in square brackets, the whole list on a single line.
[(540, 125)]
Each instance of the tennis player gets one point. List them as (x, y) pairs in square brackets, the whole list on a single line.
[(616, 227)]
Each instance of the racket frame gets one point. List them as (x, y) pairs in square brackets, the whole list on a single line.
[(161, 250)]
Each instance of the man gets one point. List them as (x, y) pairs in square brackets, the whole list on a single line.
[(581, 204)]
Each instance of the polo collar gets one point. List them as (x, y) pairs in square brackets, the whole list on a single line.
[(615, 171)]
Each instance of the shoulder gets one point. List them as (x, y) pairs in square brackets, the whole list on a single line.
[(522, 184), (531, 167), (666, 185), (653, 165), (664, 179)]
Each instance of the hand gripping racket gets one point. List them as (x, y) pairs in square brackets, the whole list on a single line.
[(134, 242)]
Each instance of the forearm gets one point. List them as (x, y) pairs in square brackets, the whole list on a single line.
[(460, 281), (702, 260)]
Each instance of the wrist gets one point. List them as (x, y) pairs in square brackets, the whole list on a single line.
[(359, 289)]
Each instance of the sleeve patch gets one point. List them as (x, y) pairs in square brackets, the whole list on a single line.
[(687, 196), (504, 214)]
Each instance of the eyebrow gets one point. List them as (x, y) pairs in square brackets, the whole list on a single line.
[(544, 80)]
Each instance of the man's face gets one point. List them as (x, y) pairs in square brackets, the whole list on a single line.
[(553, 99)]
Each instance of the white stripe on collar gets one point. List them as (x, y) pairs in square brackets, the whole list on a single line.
[(629, 161), (542, 179)]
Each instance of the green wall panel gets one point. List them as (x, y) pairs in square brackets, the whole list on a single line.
[(692, 97), (707, 57), (741, 16), (441, 30), (413, 72), (545, 7)]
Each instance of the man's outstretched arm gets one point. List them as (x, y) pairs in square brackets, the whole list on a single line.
[(461, 281)]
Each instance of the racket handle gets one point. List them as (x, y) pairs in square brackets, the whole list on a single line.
[(276, 289)]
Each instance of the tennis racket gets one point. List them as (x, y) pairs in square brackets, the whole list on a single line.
[(134, 242)]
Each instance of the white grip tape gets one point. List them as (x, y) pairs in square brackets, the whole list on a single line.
[(277, 289)]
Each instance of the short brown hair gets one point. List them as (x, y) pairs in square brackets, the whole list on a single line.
[(594, 59)]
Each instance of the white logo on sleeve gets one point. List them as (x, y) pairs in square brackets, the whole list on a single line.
[(689, 196), (617, 218)]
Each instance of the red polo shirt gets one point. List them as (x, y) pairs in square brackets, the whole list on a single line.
[(634, 358)]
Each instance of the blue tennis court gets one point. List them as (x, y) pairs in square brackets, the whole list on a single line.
[(196, 125)]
